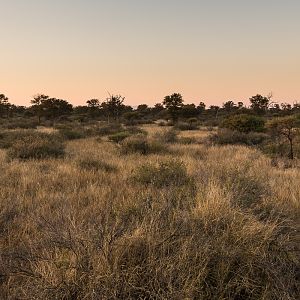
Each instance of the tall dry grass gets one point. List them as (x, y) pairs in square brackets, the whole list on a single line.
[(69, 230)]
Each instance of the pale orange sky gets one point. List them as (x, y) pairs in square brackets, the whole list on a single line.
[(209, 51)]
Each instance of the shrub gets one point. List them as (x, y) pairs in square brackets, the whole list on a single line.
[(119, 137), (167, 136), (9, 137), (37, 146), (187, 140), (278, 147), (186, 126), (244, 123), (110, 129), (91, 164), (192, 120), (72, 134), (287, 128), (135, 130), (162, 123), (229, 137), (21, 124), (166, 173), (140, 144)]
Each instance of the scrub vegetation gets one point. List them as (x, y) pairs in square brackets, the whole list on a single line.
[(114, 210)]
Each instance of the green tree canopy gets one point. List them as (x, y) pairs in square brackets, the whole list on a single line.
[(173, 104), (244, 123)]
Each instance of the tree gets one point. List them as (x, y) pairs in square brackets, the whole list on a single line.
[(287, 127), (53, 108), (113, 106), (296, 107), (214, 109), (189, 111), (4, 105), (132, 117), (274, 108), (240, 105), (229, 106), (37, 103), (244, 123), (173, 104), (201, 107), (260, 104), (158, 108), (286, 108), (93, 105), (143, 109)]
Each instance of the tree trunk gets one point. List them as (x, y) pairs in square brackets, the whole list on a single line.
[(291, 155)]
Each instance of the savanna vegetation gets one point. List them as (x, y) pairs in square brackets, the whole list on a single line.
[(174, 201)]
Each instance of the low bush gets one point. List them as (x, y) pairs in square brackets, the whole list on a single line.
[(110, 129), (186, 126), (167, 136), (9, 137), (128, 131), (92, 164), (37, 146), (187, 140), (162, 123), (140, 144), (118, 137), (72, 134), (21, 124), (230, 137), (135, 130), (165, 173), (277, 147)]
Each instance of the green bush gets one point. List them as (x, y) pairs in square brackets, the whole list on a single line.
[(277, 147), (244, 123), (119, 137), (135, 130), (186, 126), (37, 146), (21, 123), (91, 164), (230, 137), (166, 173), (140, 144), (9, 137), (110, 129), (72, 134)]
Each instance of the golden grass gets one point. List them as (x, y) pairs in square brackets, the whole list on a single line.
[(71, 233)]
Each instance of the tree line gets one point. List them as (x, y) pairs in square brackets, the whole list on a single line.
[(172, 107)]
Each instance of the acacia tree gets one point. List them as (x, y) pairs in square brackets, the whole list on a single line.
[(229, 106), (260, 104), (173, 104), (53, 107), (214, 109), (113, 107), (93, 105), (201, 107), (288, 128), (4, 105), (37, 105)]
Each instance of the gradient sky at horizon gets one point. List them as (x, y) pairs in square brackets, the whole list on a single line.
[(210, 51)]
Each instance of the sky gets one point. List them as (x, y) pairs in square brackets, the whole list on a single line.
[(211, 51)]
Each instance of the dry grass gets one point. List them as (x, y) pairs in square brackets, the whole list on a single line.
[(73, 232)]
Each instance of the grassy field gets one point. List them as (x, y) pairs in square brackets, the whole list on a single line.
[(191, 221)]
